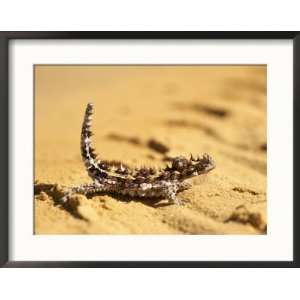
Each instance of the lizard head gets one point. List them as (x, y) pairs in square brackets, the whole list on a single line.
[(193, 166)]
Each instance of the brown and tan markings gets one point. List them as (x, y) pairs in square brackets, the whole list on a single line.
[(115, 177)]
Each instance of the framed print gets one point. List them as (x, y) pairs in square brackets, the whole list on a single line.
[(149, 149)]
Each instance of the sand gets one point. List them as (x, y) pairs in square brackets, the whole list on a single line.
[(220, 110)]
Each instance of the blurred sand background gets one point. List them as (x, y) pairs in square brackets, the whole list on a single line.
[(220, 110)]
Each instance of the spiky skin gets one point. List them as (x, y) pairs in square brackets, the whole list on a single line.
[(114, 177)]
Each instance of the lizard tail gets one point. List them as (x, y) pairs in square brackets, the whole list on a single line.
[(87, 151), (96, 168)]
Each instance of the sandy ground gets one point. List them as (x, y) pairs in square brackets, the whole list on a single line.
[(220, 110)]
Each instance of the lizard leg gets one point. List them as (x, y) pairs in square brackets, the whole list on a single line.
[(171, 191), (184, 186), (84, 189)]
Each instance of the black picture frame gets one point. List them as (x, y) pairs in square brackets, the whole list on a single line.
[(6, 37)]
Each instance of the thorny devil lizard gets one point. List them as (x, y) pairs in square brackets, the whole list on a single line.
[(115, 177)]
